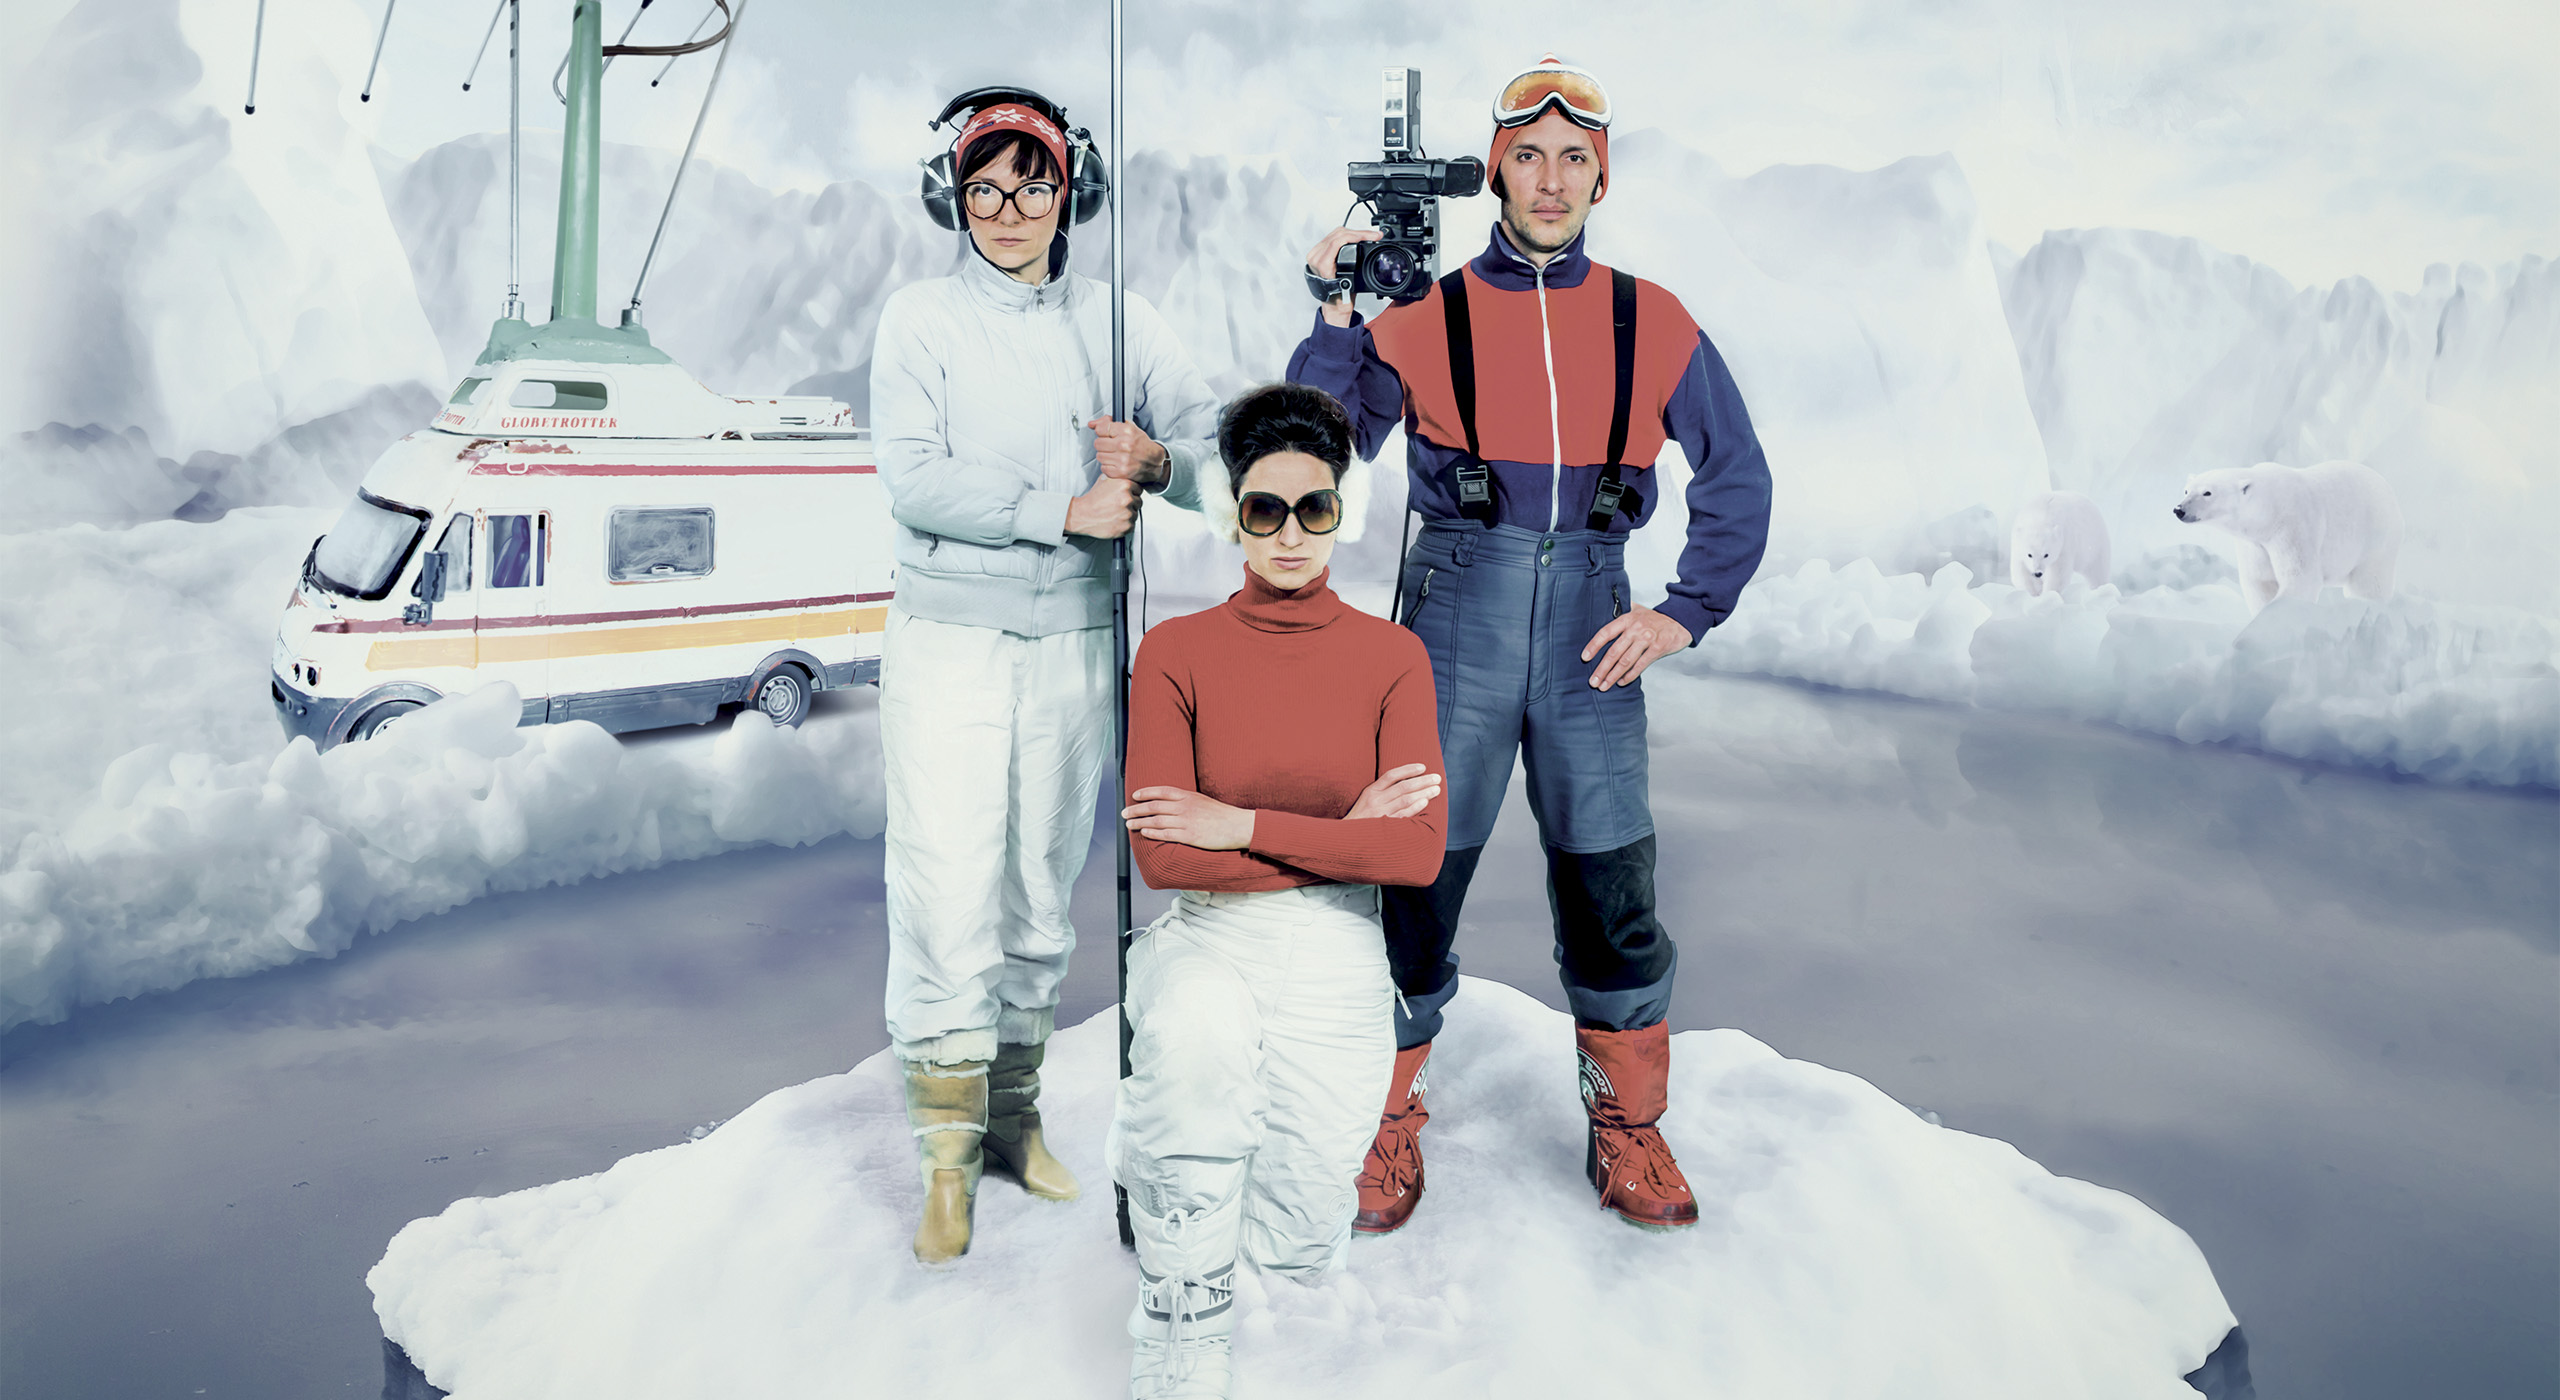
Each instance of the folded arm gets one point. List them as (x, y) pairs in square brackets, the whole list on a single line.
[(1364, 850), (1376, 850), (1161, 756)]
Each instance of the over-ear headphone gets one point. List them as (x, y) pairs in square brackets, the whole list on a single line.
[(1088, 178)]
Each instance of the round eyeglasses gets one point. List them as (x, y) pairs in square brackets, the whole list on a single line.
[(1260, 513), (1034, 199)]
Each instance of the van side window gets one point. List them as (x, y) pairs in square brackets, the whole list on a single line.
[(567, 395), (516, 550), (455, 545), (658, 544)]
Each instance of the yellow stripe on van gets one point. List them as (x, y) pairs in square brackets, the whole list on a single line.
[(416, 653), (494, 648)]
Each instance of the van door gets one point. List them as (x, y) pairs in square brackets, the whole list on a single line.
[(514, 625), (456, 614)]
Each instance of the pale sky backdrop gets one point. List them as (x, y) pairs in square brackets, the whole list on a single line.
[(2327, 138)]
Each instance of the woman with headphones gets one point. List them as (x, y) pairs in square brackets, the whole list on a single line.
[(990, 395)]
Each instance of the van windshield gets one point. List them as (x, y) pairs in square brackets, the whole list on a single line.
[(363, 552)]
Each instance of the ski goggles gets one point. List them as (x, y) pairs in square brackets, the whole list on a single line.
[(1551, 84), (1259, 513)]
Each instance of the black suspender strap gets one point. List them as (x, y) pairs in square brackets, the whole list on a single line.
[(1474, 478), (1622, 307)]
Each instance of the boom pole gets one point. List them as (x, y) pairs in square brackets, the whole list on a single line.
[(1120, 593)]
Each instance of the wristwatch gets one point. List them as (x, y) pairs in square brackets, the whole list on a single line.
[(1326, 288)]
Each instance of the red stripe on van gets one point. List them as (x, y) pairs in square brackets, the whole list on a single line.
[(510, 468), (393, 624)]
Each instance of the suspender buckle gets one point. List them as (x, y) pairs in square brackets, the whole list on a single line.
[(1605, 498), (1475, 490)]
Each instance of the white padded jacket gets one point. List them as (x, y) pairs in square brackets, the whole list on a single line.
[(981, 387)]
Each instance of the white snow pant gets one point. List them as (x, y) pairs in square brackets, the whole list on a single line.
[(1263, 1035), (993, 746)]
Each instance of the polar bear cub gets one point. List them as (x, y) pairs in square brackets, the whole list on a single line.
[(2302, 528), (2058, 534)]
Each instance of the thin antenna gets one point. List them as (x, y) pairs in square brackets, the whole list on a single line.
[(515, 155), (387, 7), (631, 313), (257, 43), (626, 31), (484, 42), (689, 38)]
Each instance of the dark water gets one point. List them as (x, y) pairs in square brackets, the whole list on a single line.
[(2312, 1016)]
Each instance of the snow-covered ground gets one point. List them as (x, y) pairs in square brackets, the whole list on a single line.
[(768, 1257)]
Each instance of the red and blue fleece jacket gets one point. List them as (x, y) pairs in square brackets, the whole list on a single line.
[(1545, 364)]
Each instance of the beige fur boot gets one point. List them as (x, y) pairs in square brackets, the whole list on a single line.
[(1014, 1144), (947, 1107)]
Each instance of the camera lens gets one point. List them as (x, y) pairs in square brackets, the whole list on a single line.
[(1391, 267)]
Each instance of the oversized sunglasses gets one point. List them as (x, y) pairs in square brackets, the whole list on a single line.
[(1261, 513), (1569, 90), (985, 201)]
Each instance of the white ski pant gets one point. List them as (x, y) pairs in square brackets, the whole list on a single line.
[(1263, 1035), (993, 746)]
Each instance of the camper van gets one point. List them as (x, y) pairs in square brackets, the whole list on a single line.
[(587, 522), (614, 539)]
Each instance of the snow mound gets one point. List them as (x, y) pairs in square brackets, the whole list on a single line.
[(1846, 1247), (2458, 694), (183, 866)]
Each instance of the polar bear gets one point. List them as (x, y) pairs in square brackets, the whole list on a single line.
[(2058, 534), (2302, 528)]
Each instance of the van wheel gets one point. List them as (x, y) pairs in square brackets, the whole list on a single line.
[(381, 717), (783, 697)]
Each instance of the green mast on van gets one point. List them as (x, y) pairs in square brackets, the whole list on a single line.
[(573, 332)]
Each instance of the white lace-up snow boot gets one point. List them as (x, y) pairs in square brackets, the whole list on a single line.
[(1184, 1322)]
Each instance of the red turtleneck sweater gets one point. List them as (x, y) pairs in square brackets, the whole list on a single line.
[(1288, 704)]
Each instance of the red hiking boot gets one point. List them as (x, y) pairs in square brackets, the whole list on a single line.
[(1391, 1178), (1625, 1079)]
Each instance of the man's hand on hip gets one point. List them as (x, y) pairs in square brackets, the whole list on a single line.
[(1634, 641)]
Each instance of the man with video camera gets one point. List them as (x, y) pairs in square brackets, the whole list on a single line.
[(1536, 388)]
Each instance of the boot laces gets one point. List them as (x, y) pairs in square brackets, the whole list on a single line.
[(1184, 1294), (1638, 1155), (1395, 1159)]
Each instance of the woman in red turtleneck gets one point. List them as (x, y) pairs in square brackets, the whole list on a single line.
[(1284, 761)]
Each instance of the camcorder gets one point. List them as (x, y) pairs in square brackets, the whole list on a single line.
[(1402, 193)]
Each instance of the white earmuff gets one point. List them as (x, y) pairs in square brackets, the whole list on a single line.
[(1218, 502)]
